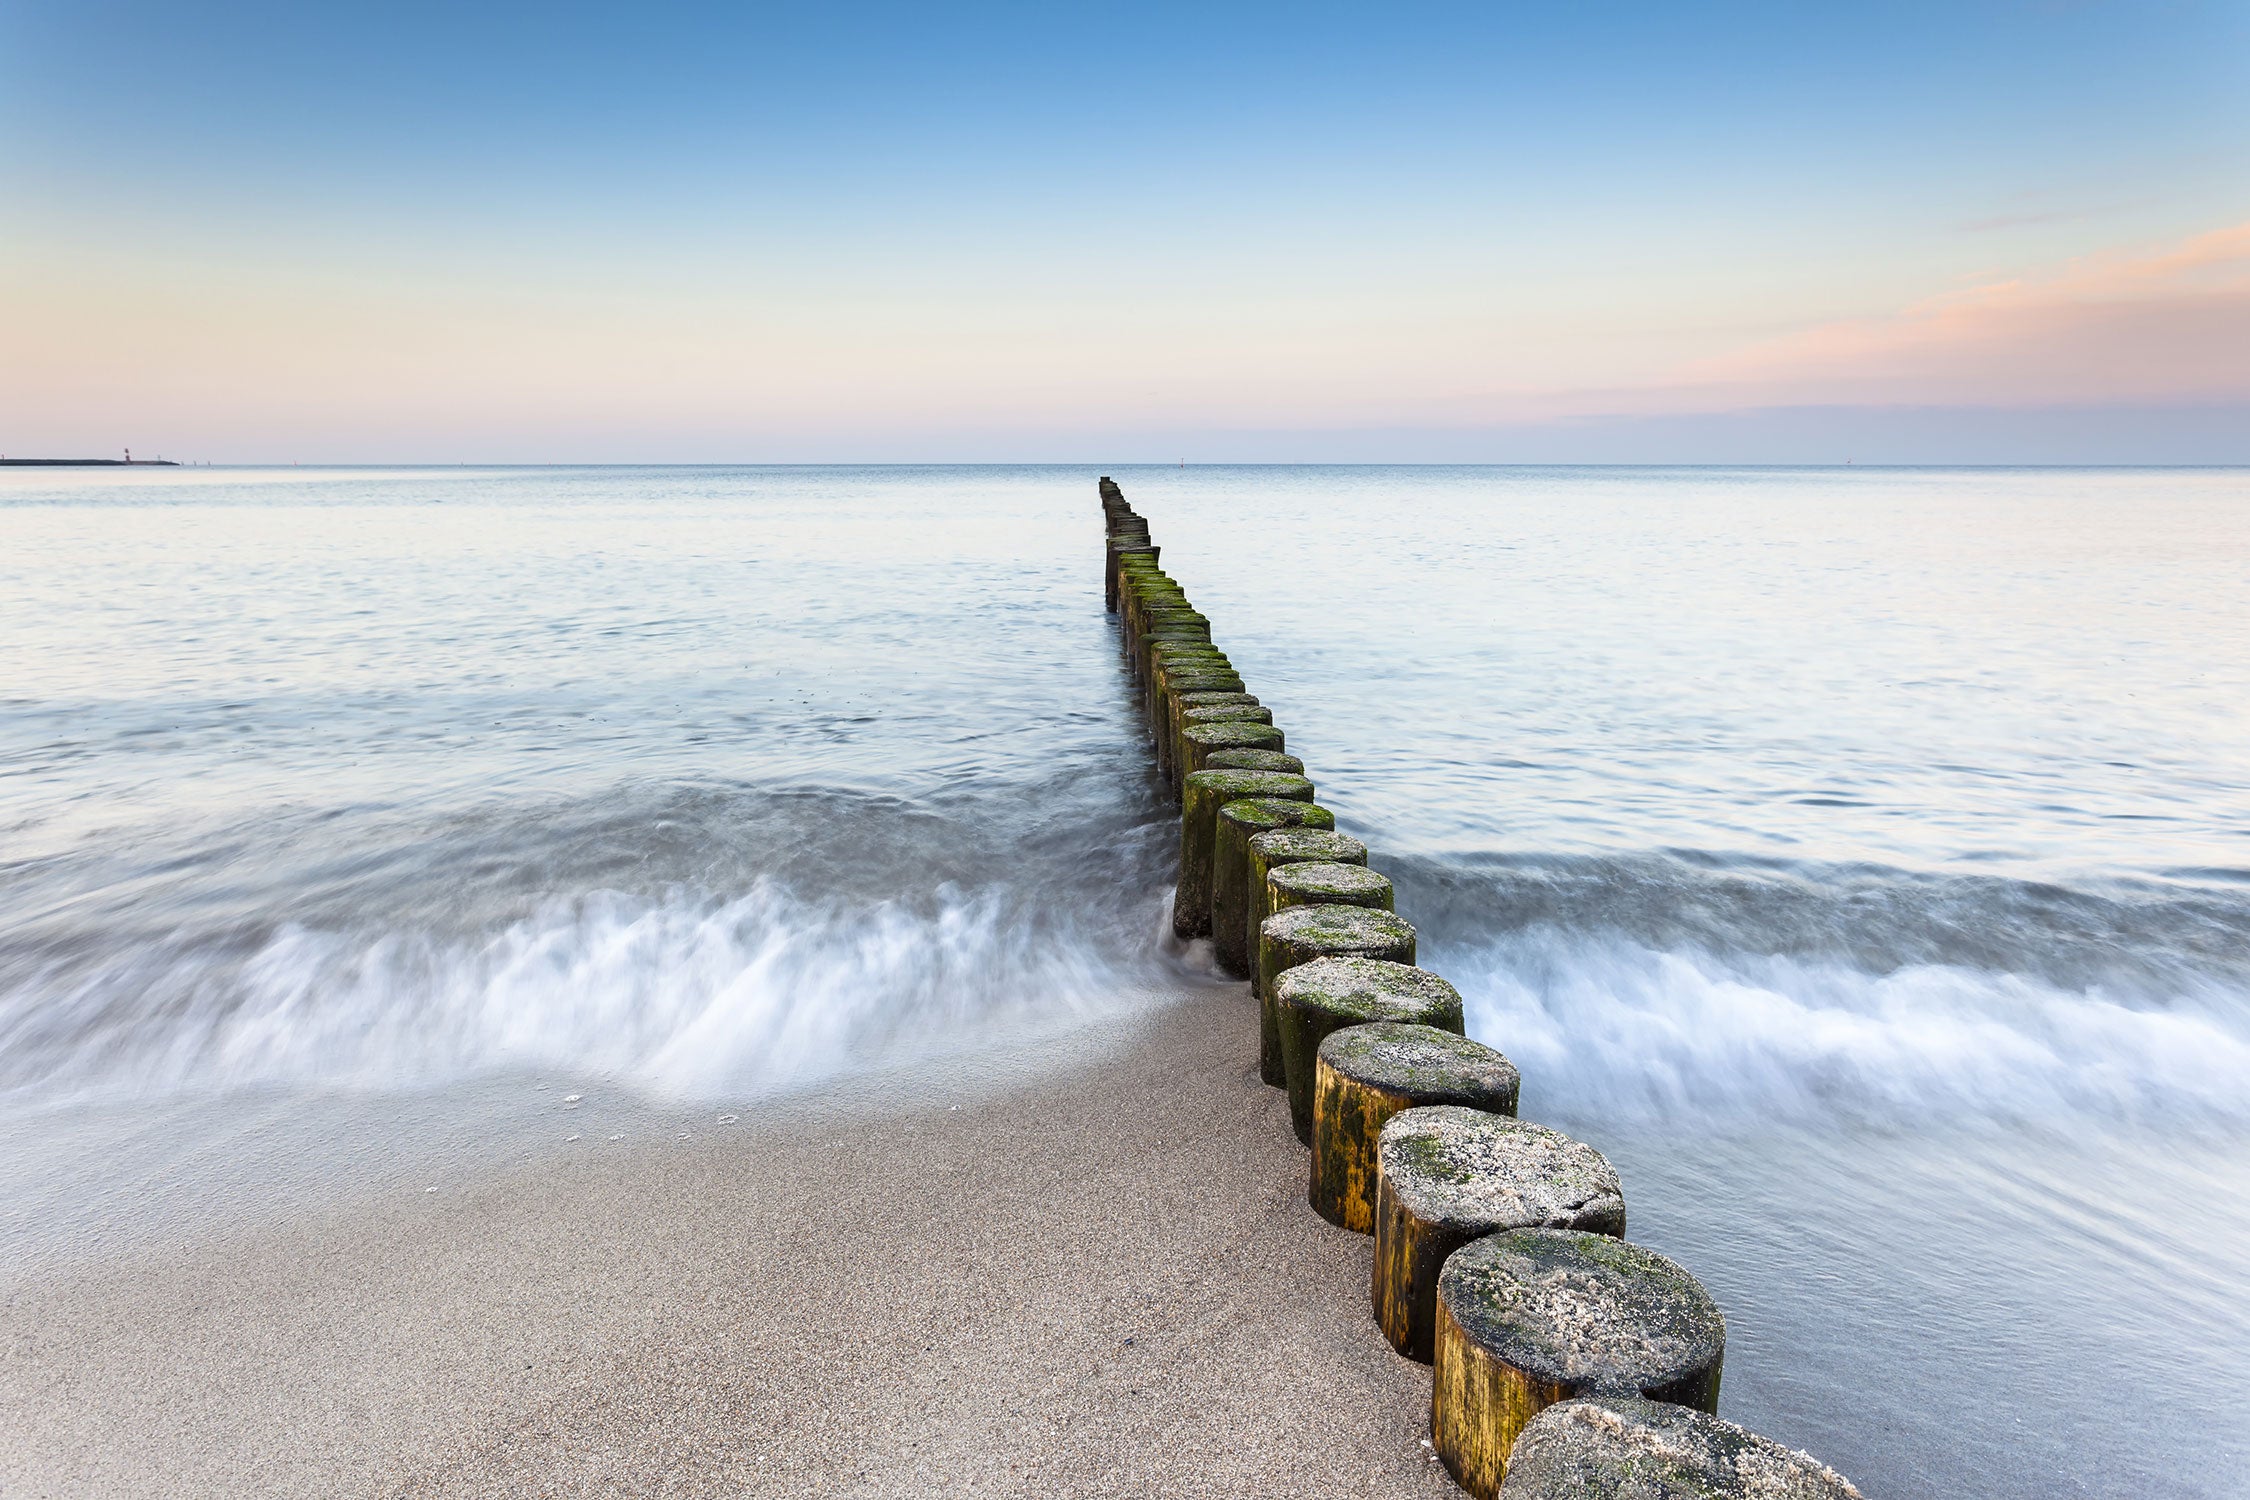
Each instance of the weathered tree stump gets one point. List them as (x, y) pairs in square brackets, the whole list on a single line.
[(1253, 760), (1329, 994), (1239, 822), (1629, 1448), (1362, 1076), (1304, 933), (1446, 1175), (1198, 741), (1529, 1317), (1201, 797)]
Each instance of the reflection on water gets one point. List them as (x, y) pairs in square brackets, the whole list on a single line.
[(1861, 857)]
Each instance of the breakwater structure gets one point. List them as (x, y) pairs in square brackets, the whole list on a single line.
[(1566, 1361)]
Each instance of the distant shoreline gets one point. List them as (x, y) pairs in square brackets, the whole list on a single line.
[(84, 463)]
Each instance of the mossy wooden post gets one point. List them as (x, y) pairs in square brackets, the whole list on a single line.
[(1198, 742), (1338, 886), (1289, 847), (1149, 598), (1530, 1317), (1445, 1175), (1177, 632), (1185, 716), (1167, 752), (1362, 1076), (1175, 682), (1171, 629), (1168, 661), (1253, 760), (1122, 545), (1142, 591), (1329, 994), (1238, 823), (1304, 933), (1629, 1447), (1166, 631), (1201, 797)]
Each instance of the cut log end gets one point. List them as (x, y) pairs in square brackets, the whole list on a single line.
[(1446, 1175), (1363, 1075), (1530, 1317), (1253, 760), (1314, 882), (1626, 1448)]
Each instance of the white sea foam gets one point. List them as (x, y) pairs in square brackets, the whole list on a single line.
[(679, 994), (1599, 1022)]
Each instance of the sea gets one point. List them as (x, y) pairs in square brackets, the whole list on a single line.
[(1860, 857)]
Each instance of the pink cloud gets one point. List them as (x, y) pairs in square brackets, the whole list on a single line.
[(2168, 326)]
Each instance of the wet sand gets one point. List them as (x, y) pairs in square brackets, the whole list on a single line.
[(1101, 1278)]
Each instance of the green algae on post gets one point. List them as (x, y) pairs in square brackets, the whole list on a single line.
[(1530, 1317), (1329, 994), (1253, 760), (1628, 1447), (1202, 794), (1363, 1075), (1167, 753), (1238, 823), (1446, 1175), (1326, 929), (1199, 740)]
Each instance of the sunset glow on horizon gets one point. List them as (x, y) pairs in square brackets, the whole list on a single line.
[(682, 233)]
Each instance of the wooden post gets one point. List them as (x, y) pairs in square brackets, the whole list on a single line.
[(1304, 933), (1446, 1175), (1630, 1446), (1201, 797), (1254, 760), (1199, 741), (1329, 994), (1167, 753), (1238, 823), (1362, 1076), (1529, 1317)]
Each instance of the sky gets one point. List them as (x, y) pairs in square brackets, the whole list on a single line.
[(1977, 231)]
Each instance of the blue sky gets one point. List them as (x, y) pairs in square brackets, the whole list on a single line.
[(694, 232)]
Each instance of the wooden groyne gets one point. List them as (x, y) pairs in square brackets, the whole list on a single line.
[(1566, 1360)]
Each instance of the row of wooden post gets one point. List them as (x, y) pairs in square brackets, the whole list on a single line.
[(1560, 1350)]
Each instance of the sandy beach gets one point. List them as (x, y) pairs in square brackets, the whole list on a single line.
[(1099, 1279)]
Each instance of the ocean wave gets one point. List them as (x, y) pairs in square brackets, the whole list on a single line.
[(680, 993), (1651, 988)]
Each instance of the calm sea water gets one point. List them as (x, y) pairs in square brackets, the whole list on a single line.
[(1861, 858)]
